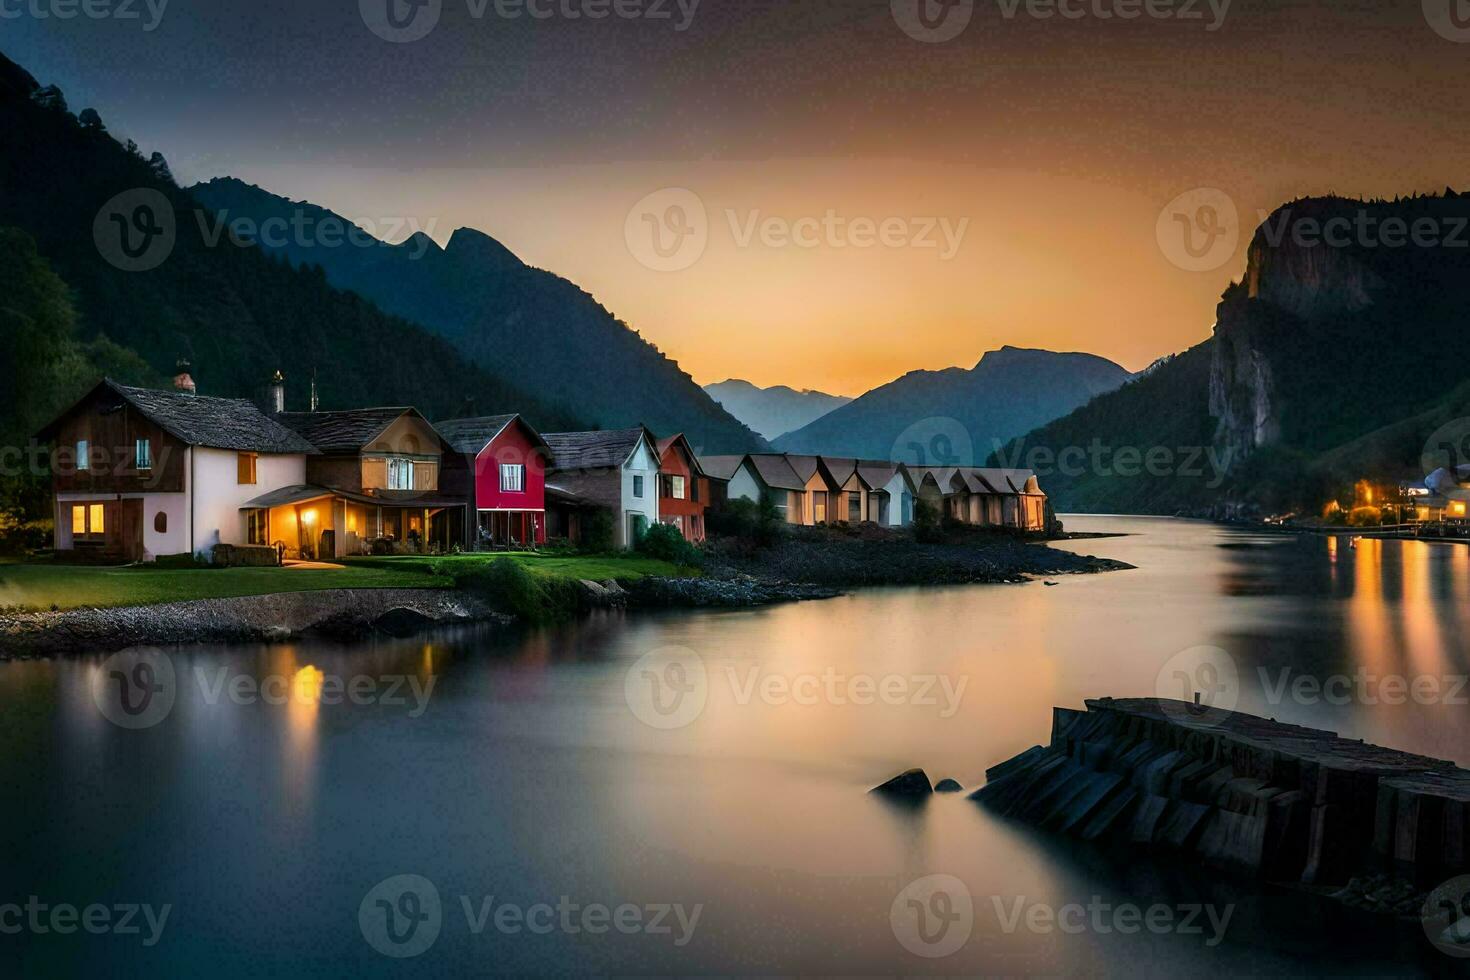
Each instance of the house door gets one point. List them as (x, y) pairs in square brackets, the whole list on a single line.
[(637, 527), (130, 529), (819, 507)]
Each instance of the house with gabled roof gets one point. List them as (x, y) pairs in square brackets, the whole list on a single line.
[(383, 480), (615, 470), (819, 488), (507, 460), (683, 488), (142, 473), (892, 492)]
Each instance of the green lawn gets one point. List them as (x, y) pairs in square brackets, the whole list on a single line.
[(599, 568), (32, 586), (42, 586)]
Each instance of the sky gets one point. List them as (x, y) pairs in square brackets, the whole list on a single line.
[(820, 193)]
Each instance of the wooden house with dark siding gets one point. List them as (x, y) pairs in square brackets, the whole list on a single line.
[(507, 460), (142, 472), (616, 471), (683, 488)]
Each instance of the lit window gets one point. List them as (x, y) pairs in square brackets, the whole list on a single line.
[(79, 519), (637, 486), (676, 487), (400, 474), (512, 478), (143, 455), (94, 519), (245, 468), (84, 455)]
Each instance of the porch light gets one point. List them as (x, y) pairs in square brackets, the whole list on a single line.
[(308, 517)]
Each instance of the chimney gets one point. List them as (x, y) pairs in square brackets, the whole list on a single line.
[(313, 389), (277, 395), (182, 381)]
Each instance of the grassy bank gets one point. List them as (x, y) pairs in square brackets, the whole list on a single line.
[(43, 586)]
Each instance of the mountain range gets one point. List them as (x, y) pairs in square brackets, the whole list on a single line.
[(1334, 359), (501, 314), (959, 415), (773, 411)]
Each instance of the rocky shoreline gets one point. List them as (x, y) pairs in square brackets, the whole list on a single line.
[(800, 567)]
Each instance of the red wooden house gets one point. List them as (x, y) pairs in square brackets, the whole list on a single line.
[(508, 461), (683, 488)]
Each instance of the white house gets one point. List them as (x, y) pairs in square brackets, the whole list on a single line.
[(141, 473), (616, 470)]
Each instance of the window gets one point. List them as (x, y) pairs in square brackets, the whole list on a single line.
[(676, 487), (245, 468), (512, 478), (160, 522), (86, 521), (257, 527), (855, 507), (143, 455), (637, 486), (819, 506), (84, 455), (400, 474)]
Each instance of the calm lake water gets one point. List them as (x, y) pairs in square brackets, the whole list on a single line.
[(709, 763)]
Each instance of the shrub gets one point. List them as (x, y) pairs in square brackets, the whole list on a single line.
[(509, 587), (597, 531), (1365, 517), (756, 523), (928, 525), (664, 542)]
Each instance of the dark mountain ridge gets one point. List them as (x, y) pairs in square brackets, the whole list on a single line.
[(502, 314)]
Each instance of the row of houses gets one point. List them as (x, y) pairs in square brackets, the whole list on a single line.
[(824, 490), (141, 473)]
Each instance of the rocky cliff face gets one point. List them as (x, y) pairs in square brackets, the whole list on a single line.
[(1304, 268)]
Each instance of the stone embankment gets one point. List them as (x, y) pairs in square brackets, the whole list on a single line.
[(1368, 825), (279, 616)]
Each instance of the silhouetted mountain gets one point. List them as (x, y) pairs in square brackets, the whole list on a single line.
[(503, 314), (1334, 360), (236, 313), (956, 415), (774, 411)]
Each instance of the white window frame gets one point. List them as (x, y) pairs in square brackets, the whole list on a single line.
[(84, 455), (638, 485), (143, 454), (678, 486), (512, 478), (399, 468)]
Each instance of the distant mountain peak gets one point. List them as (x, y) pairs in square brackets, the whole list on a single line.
[(473, 244), (775, 410)]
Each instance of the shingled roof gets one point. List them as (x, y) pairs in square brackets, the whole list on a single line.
[(216, 423), (469, 436), (776, 471), (720, 467), (341, 432), (592, 450)]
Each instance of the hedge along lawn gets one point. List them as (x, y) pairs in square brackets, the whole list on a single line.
[(598, 568), (42, 586)]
